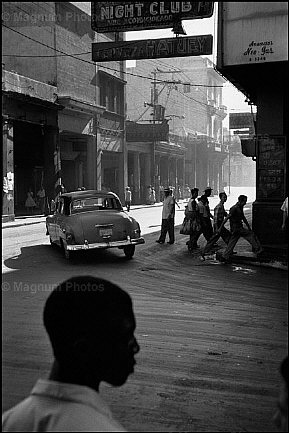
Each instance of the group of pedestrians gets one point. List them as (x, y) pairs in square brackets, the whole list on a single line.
[(199, 215), (91, 326)]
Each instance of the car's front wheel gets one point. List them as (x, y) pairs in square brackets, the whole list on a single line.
[(129, 251)]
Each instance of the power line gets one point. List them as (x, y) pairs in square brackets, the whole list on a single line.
[(89, 62)]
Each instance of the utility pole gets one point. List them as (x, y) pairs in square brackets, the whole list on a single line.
[(154, 174)]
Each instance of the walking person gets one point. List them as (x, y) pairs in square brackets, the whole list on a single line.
[(30, 202), (127, 198), (153, 195), (237, 217), (219, 215), (205, 214), (90, 323), (41, 197), (192, 213), (168, 215)]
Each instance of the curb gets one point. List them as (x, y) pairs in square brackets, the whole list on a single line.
[(273, 263)]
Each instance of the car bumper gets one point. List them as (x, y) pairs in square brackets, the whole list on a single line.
[(104, 245)]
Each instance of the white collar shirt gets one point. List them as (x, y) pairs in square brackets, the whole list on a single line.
[(168, 207), (60, 407)]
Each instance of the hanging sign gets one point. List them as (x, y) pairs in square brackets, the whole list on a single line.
[(152, 48), (109, 17)]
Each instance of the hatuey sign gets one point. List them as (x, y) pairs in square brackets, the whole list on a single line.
[(152, 48), (109, 17)]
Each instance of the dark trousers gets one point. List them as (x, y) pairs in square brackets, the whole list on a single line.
[(194, 236), (168, 226), (242, 233), (206, 229), (225, 235)]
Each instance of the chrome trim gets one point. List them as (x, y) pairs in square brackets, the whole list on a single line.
[(104, 225), (104, 245)]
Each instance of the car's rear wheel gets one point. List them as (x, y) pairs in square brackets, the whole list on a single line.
[(129, 251)]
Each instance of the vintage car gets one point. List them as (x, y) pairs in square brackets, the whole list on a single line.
[(85, 220)]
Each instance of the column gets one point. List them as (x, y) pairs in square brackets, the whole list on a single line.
[(91, 162), (136, 177), (52, 168), (157, 177), (8, 173)]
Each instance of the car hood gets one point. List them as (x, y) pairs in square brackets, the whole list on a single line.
[(122, 225)]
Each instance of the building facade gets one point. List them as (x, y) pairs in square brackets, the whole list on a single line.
[(187, 94), (63, 115), (253, 55)]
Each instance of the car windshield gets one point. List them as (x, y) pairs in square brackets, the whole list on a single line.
[(95, 203)]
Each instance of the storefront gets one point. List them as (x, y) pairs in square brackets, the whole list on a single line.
[(30, 111)]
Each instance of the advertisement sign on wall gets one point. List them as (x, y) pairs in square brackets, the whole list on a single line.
[(152, 48), (253, 33)]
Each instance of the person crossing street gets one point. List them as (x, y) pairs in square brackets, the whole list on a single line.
[(219, 215), (237, 217), (168, 218)]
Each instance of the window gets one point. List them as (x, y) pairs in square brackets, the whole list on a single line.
[(95, 203), (111, 93)]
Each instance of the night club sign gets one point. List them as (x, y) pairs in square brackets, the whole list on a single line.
[(110, 17)]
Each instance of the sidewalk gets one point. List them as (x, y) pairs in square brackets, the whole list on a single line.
[(37, 219)]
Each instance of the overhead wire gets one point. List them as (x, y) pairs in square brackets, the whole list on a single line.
[(82, 60)]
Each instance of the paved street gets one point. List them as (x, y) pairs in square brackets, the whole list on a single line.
[(211, 335)]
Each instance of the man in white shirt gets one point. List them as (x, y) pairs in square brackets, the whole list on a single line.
[(91, 324), (168, 218)]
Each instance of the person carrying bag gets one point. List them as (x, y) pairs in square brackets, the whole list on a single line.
[(191, 224)]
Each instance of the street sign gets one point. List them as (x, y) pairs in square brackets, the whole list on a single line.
[(107, 17), (152, 48), (241, 120)]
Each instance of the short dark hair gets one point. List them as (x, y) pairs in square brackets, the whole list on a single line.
[(221, 194), (83, 305), (242, 198)]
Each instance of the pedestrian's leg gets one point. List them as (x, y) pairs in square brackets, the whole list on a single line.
[(210, 243), (164, 230), (171, 230), (225, 235), (208, 230), (194, 239), (250, 237), (230, 247)]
